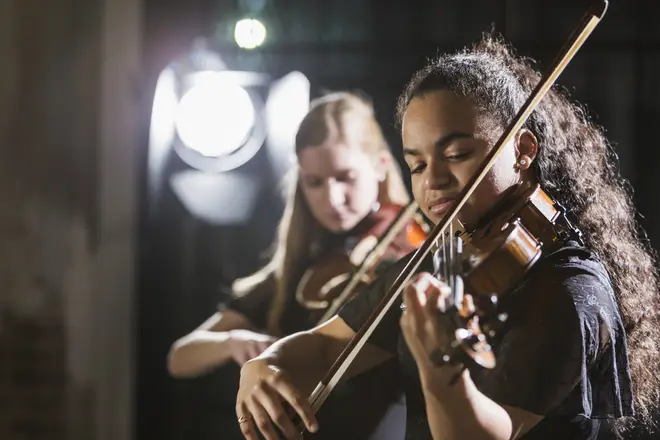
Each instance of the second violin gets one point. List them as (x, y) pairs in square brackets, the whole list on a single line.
[(390, 233)]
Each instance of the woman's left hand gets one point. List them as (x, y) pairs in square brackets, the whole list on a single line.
[(425, 298)]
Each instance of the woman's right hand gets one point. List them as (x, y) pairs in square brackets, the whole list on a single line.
[(245, 345), (265, 399)]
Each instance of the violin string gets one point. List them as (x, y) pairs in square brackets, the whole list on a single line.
[(457, 265), (444, 260), (452, 272)]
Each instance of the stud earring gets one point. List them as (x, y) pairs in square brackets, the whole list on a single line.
[(522, 162)]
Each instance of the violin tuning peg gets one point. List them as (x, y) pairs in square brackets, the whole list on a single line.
[(479, 339), (492, 326), (486, 304), (489, 333)]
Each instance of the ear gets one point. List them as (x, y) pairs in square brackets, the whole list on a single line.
[(382, 163), (526, 147)]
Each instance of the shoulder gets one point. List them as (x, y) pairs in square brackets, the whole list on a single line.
[(262, 280), (572, 259), (576, 275), (574, 298), (252, 297), (564, 348), (570, 291)]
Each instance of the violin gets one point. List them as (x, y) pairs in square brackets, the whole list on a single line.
[(389, 233), (495, 256), (489, 262)]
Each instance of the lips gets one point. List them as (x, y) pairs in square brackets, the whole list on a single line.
[(440, 205), (337, 216)]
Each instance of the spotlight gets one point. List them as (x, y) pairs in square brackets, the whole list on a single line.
[(215, 118), (208, 121), (249, 33)]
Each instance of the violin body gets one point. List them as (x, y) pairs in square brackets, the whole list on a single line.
[(493, 261), (325, 281), (504, 249)]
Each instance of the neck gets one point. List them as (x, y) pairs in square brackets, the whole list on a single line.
[(366, 223)]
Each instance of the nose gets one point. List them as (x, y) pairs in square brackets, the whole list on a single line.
[(439, 175), (334, 194)]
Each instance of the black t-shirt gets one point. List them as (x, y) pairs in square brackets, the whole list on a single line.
[(256, 304), (564, 354)]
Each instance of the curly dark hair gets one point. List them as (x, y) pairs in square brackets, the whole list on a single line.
[(577, 166)]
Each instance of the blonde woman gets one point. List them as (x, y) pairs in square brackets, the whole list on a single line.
[(345, 171)]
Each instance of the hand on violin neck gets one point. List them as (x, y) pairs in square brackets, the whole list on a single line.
[(425, 298)]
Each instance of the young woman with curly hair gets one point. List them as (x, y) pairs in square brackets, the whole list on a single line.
[(581, 352)]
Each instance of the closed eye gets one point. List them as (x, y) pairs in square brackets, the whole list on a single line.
[(417, 168), (347, 176), (458, 156), (312, 182)]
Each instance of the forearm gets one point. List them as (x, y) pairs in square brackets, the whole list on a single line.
[(199, 352), (307, 356), (303, 356), (461, 411)]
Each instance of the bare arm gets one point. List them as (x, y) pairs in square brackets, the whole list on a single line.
[(307, 356), (289, 370), (210, 345), (462, 411)]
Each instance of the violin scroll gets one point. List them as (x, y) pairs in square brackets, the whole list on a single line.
[(599, 8)]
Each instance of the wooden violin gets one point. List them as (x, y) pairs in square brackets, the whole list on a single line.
[(495, 256), (489, 262), (390, 233)]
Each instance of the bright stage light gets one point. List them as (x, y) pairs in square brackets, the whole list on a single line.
[(210, 120), (249, 33), (215, 119)]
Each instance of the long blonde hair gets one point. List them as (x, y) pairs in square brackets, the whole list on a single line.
[(298, 228)]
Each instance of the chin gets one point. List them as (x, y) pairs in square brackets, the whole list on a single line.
[(338, 227), (434, 218)]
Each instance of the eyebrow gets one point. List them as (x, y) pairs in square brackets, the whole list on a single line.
[(441, 143), (336, 172)]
